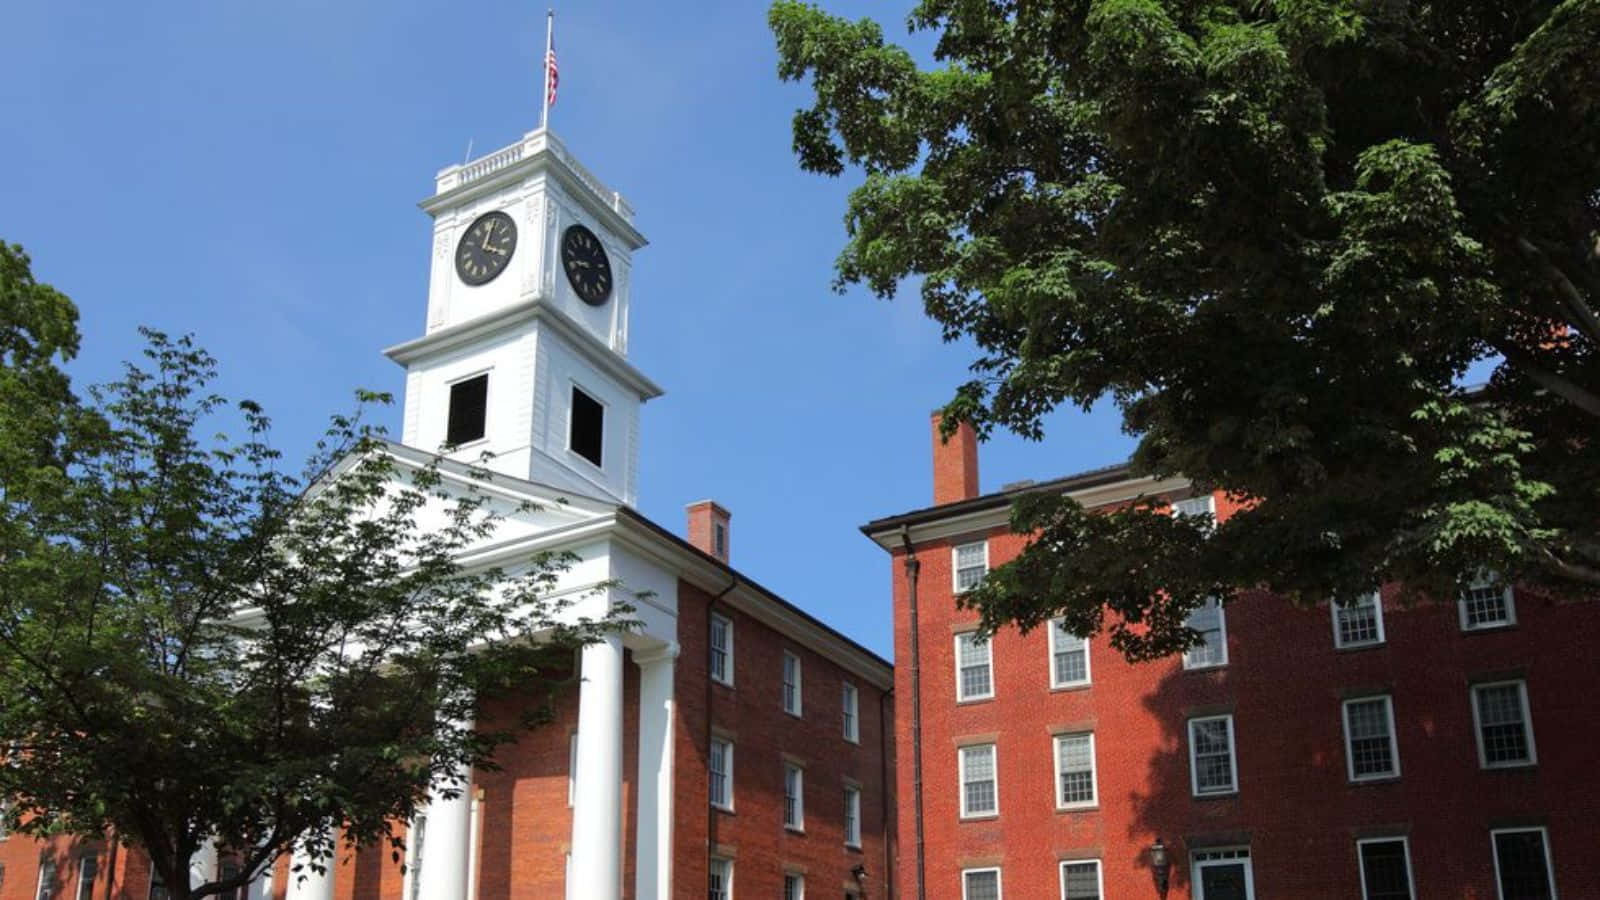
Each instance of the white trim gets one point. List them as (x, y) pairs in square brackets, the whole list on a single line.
[(1544, 839), (727, 774), (1377, 606), (1394, 740), (1506, 594), (91, 859), (727, 873), (852, 815), (1094, 773), (988, 648), (1527, 724), (799, 704), (727, 652), (999, 889), (1233, 758), (799, 823), (961, 779), (1221, 856), (1405, 849), (1099, 876), (39, 882), (850, 703), (1088, 675), (486, 374), (955, 563), (572, 405), (799, 881), (1222, 637), (572, 768)]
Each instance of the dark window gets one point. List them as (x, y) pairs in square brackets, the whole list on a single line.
[(469, 406), (719, 540), (1385, 871), (588, 426), (1524, 871)]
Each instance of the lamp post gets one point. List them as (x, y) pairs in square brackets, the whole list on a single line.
[(1160, 867)]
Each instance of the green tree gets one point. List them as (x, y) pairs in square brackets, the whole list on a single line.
[(198, 648), (1277, 234)]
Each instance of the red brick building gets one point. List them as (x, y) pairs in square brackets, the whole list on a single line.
[(1441, 750)]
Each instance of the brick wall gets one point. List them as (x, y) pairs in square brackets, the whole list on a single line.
[(1284, 683)]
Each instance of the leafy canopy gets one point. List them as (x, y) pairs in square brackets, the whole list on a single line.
[(197, 647), (1277, 234)]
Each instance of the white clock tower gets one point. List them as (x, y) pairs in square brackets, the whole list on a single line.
[(524, 356)]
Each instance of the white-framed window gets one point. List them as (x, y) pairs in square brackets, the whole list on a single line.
[(721, 649), (1486, 602), (970, 562), (1385, 869), (1202, 506), (721, 777), (88, 871), (794, 797), (980, 884), (1069, 657), (1210, 620), (572, 768), (974, 667), (1075, 781), (1080, 879), (852, 816), (850, 703), (1223, 874), (980, 788), (1358, 623), (1211, 758), (47, 880), (791, 683), (1503, 723), (1522, 868), (719, 879), (794, 886), (586, 426), (1370, 749), (466, 418)]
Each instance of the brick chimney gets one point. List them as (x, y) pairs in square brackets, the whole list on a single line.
[(708, 528), (955, 464)]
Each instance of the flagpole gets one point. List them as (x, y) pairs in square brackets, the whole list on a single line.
[(549, 38)]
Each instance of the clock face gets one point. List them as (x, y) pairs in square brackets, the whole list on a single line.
[(486, 248), (584, 259)]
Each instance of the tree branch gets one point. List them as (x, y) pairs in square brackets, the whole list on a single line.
[(1571, 298), (1550, 381)]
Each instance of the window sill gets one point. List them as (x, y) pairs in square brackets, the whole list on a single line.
[(1068, 688), (1086, 808), (1216, 795), (1357, 648), (1208, 667), (720, 682), (1488, 629), (793, 715), (725, 810), (853, 740), (981, 817), (798, 830), (1373, 780), (853, 848), (971, 700), (1510, 767)]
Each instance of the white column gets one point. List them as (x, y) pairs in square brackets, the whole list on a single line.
[(447, 847), (597, 793), (261, 888), (306, 884), (653, 872), (203, 864)]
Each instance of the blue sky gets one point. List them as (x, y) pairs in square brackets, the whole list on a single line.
[(250, 173)]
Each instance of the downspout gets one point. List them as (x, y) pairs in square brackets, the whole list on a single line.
[(883, 778), (711, 811), (913, 569)]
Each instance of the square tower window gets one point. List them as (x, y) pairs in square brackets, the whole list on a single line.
[(469, 410), (588, 426)]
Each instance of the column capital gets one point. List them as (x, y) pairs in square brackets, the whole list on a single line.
[(666, 651)]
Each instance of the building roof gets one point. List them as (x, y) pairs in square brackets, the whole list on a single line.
[(1000, 498)]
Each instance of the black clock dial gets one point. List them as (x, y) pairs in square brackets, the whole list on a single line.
[(486, 248), (584, 259)]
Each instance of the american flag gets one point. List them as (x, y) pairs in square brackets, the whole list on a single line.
[(552, 75)]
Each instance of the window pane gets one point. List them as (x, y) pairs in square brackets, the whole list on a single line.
[(974, 662), (1484, 604), (979, 786), (1077, 769), (971, 565), (983, 885), (1081, 880), (720, 880), (1521, 859), (1505, 736), (1071, 656), (1371, 750), (849, 708), (588, 426), (1213, 648), (1358, 621), (1384, 871), (468, 410), (1213, 765), (792, 887)]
